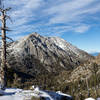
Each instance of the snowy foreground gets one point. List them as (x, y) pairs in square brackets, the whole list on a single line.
[(89, 99), (19, 94), (92, 99)]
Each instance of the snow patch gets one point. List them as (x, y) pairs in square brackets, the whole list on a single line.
[(60, 93), (19, 94), (65, 45), (90, 99)]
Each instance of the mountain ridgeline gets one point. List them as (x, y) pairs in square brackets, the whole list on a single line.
[(35, 55), (48, 51)]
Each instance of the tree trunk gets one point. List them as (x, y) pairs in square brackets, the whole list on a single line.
[(3, 67), (88, 87)]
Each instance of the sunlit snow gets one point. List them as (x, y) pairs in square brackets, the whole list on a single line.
[(19, 94)]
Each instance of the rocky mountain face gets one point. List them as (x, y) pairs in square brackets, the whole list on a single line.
[(98, 59), (35, 54), (86, 69)]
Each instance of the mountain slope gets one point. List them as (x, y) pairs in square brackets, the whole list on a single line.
[(49, 50), (36, 56), (69, 48)]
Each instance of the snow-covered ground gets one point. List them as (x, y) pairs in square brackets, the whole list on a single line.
[(11, 94), (19, 94), (89, 99), (92, 99)]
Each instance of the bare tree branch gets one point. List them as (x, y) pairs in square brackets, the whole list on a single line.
[(1, 9), (8, 17), (9, 44), (7, 9), (8, 38), (6, 29)]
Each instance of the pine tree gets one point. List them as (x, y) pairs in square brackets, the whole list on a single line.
[(94, 70)]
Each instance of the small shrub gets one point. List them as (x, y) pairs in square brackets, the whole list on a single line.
[(34, 98)]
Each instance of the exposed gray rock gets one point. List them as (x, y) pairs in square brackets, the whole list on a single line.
[(53, 53)]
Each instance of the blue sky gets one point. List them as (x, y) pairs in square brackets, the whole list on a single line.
[(76, 21)]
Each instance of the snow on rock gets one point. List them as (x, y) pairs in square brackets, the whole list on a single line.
[(90, 99), (12, 97), (1, 92), (9, 94), (65, 45), (12, 90), (36, 89), (60, 93), (19, 94), (98, 98)]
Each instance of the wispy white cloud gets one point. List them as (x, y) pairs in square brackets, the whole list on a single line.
[(81, 29), (69, 11), (44, 16), (92, 51)]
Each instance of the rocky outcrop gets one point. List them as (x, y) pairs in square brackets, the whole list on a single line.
[(35, 54)]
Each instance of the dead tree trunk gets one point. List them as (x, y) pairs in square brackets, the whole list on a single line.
[(3, 53), (3, 67)]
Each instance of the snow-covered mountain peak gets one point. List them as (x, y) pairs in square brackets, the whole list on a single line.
[(59, 42), (66, 46), (48, 50), (37, 39)]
